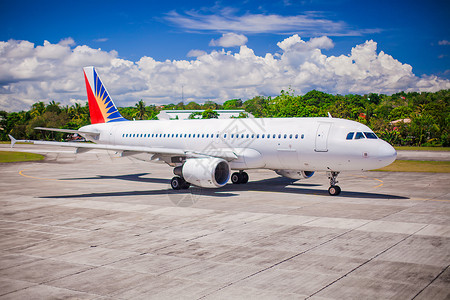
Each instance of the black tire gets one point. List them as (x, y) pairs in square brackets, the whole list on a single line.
[(236, 178), (185, 185), (244, 177), (334, 190), (177, 183)]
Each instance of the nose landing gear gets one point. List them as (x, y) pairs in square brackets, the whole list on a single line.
[(334, 189)]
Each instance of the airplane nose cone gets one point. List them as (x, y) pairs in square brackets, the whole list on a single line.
[(386, 154)]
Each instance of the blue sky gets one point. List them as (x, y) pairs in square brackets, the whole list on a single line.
[(410, 31), (415, 33)]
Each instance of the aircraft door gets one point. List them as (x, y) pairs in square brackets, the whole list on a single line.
[(322, 137), (111, 135)]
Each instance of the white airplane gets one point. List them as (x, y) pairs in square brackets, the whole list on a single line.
[(203, 152)]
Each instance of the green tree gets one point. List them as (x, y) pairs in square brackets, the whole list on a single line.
[(141, 112), (210, 114), (232, 104)]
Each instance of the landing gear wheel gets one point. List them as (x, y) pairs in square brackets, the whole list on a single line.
[(334, 190), (236, 178), (244, 177), (177, 183)]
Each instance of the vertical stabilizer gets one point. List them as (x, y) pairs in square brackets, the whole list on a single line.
[(101, 107)]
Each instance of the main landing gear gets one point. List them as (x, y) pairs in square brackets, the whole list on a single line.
[(334, 189), (239, 177), (178, 183)]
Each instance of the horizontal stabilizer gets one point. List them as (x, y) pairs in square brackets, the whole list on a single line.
[(92, 134), (14, 141)]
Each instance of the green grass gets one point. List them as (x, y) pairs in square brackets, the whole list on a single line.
[(10, 156), (417, 166), (413, 148)]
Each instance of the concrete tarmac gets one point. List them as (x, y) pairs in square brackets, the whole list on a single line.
[(96, 226)]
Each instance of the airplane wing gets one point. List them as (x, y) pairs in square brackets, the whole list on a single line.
[(80, 147)]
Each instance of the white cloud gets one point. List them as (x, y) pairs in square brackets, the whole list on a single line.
[(229, 40), (101, 40), (30, 73), (225, 20), (444, 43), (196, 53)]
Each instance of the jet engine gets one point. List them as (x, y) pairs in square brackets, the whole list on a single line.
[(205, 172), (295, 174)]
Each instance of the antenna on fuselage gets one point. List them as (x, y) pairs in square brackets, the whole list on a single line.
[(329, 115)]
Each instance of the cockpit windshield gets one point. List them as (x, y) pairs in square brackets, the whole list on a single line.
[(370, 135), (361, 135)]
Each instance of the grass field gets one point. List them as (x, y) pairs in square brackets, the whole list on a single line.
[(10, 156), (417, 166), (411, 148)]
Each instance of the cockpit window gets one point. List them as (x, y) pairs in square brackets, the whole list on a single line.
[(370, 135), (350, 135), (359, 135)]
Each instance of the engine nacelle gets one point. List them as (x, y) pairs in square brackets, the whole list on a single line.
[(295, 174), (206, 172)]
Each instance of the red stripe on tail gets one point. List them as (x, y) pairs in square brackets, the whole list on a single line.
[(94, 110)]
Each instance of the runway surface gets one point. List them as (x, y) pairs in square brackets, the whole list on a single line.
[(97, 226)]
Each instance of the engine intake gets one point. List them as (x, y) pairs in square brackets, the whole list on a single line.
[(205, 172)]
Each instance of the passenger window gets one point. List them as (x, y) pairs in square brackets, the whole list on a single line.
[(359, 135), (296, 136), (303, 136), (285, 135), (268, 136), (274, 136), (370, 135), (350, 135), (225, 136), (248, 135), (290, 136), (262, 136), (257, 136), (253, 136)]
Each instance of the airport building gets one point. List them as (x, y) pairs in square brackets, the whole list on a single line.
[(184, 114)]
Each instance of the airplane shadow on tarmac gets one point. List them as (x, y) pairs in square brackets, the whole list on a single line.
[(277, 184)]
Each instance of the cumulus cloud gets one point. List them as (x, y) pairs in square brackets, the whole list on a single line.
[(229, 40), (30, 73), (444, 43)]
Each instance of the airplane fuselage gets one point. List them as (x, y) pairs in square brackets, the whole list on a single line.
[(309, 144)]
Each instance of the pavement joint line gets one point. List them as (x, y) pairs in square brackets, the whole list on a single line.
[(364, 263), (307, 250), (282, 261), (431, 282)]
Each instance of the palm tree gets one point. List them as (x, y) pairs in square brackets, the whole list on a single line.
[(141, 111)]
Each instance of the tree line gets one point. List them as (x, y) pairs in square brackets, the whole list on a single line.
[(425, 116)]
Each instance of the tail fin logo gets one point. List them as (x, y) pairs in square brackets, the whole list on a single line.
[(101, 107)]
